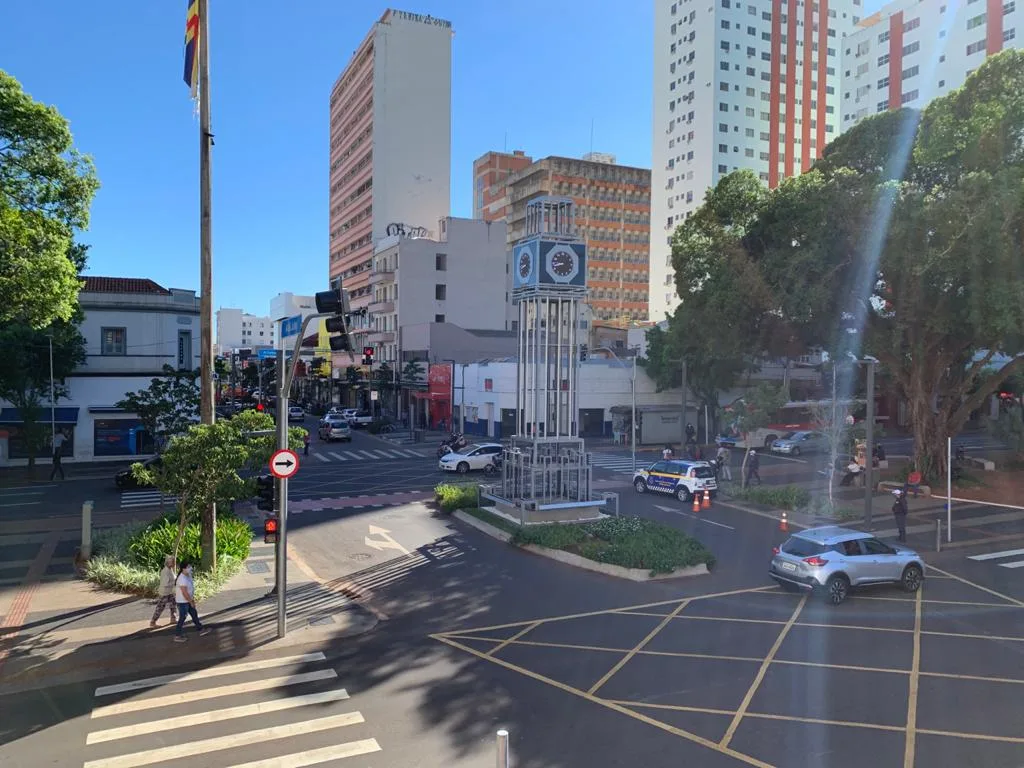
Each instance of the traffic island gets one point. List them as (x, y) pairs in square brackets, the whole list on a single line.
[(631, 548)]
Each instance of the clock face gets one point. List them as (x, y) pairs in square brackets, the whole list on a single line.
[(525, 264), (563, 263)]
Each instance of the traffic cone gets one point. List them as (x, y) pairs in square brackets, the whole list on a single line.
[(706, 504), (783, 523), (696, 502)]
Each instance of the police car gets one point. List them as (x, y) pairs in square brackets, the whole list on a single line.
[(679, 478)]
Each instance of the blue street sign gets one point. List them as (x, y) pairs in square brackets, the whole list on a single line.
[(291, 326), (267, 354)]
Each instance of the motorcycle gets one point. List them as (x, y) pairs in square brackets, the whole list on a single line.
[(452, 444), (494, 467)]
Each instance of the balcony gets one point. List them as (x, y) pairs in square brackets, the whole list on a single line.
[(380, 337), (382, 276), (381, 307)]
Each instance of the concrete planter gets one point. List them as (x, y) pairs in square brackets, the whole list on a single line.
[(633, 574)]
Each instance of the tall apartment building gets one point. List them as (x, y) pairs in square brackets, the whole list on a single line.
[(236, 328), (751, 85), (914, 50), (612, 216), (490, 173), (390, 144)]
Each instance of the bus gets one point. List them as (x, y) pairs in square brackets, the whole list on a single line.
[(794, 416)]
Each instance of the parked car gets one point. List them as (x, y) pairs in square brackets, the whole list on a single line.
[(295, 413), (125, 480), (333, 427), (680, 478), (476, 456), (831, 559), (360, 419), (800, 442)]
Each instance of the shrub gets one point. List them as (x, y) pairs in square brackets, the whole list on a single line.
[(452, 496), (789, 497), (148, 547), (119, 576)]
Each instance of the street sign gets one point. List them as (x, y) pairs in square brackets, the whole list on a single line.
[(291, 326), (267, 354), (284, 463)]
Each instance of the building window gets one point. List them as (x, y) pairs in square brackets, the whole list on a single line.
[(441, 262), (883, 60), (884, 36), (440, 291), (914, 47), (976, 21), (908, 97), (1009, 7), (438, 318), (113, 341), (976, 47), (912, 24), (184, 350), (1009, 34), (883, 83)]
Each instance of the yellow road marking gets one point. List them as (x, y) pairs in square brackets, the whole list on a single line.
[(607, 704), (979, 678), (731, 731), (910, 744), (514, 638), (639, 646), (983, 736), (762, 715), (969, 583)]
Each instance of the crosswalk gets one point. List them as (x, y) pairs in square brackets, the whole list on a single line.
[(217, 716), (1004, 555), (326, 455), (621, 464), (146, 498)]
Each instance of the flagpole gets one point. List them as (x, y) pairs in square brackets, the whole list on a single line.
[(206, 410)]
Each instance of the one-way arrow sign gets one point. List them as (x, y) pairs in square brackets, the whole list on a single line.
[(284, 463)]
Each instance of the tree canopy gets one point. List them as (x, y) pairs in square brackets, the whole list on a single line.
[(46, 187), (169, 405)]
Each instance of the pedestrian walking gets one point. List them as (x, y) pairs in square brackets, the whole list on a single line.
[(899, 511), (723, 457), (185, 597), (165, 593), (666, 453), (305, 444), (753, 467), (58, 448)]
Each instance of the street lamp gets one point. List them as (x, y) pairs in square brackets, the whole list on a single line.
[(632, 393), (869, 436), (53, 398)]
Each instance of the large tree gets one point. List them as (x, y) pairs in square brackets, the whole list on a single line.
[(46, 188)]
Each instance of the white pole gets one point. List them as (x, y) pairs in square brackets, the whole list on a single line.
[(949, 489), (53, 409), (502, 761), (707, 427), (632, 420)]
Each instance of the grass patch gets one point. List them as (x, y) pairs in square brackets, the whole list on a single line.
[(789, 497), (629, 542), (452, 496), (820, 507)]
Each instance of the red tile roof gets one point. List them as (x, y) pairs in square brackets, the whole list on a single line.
[(123, 285)]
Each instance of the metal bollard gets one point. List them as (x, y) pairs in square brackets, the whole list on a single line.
[(938, 535), (502, 749), (86, 550)]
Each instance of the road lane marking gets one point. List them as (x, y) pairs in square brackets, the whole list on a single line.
[(762, 715), (1015, 564), (1012, 600), (910, 744), (516, 637), (638, 647), (692, 516), (997, 555), (369, 454), (231, 741), (215, 716), (731, 731), (22, 504), (321, 457), (338, 456), (200, 674), (266, 684), (747, 759), (982, 736), (355, 456), (315, 756)]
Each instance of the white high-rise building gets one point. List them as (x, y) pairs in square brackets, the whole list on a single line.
[(752, 84), (236, 328), (914, 50)]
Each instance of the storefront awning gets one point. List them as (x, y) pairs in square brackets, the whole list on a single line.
[(65, 415), (106, 409)]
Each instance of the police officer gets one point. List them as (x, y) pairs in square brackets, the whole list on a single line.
[(899, 511)]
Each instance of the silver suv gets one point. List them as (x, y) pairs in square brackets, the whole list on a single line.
[(832, 559)]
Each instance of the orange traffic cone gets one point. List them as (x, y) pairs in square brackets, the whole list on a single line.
[(706, 504), (696, 502), (783, 523)]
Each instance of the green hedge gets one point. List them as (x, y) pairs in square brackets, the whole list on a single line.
[(630, 542), (790, 497), (152, 544), (452, 496)]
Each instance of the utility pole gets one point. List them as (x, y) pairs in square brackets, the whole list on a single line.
[(682, 418), (282, 495), (53, 398), (206, 412), (869, 447)]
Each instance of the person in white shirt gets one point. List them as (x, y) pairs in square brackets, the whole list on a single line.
[(165, 593), (185, 597), (58, 450)]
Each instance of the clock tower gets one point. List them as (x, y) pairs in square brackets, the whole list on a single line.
[(546, 472)]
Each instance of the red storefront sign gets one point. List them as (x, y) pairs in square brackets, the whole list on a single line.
[(439, 390)]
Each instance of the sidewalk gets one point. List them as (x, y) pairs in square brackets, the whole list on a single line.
[(67, 631)]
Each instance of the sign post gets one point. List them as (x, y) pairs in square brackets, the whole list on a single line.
[(279, 462)]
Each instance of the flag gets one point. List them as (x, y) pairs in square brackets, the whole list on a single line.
[(192, 47)]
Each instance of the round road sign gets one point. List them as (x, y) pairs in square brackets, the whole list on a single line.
[(284, 463)]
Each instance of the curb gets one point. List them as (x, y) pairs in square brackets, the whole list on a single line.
[(567, 558)]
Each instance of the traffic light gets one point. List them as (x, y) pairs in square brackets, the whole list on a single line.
[(259, 407), (583, 352), (270, 530), (367, 355), (265, 492), (335, 302)]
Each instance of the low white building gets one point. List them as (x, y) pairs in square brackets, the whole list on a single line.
[(132, 328), (284, 308), (236, 329)]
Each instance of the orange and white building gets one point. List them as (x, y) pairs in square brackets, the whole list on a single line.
[(750, 84), (390, 145)]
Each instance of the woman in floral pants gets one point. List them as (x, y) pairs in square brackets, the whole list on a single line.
[(166, 593)]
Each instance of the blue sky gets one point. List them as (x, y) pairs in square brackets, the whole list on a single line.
[(115, 71)]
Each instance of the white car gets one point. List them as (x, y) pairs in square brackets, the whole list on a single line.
[(475, 456), (296, 414), (360, 419), (679, 478)]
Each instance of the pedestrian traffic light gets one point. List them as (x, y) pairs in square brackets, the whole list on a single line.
[(259, 407), (270, 530), (265, 492), (583, 352), (367, 355), (335, 301)]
